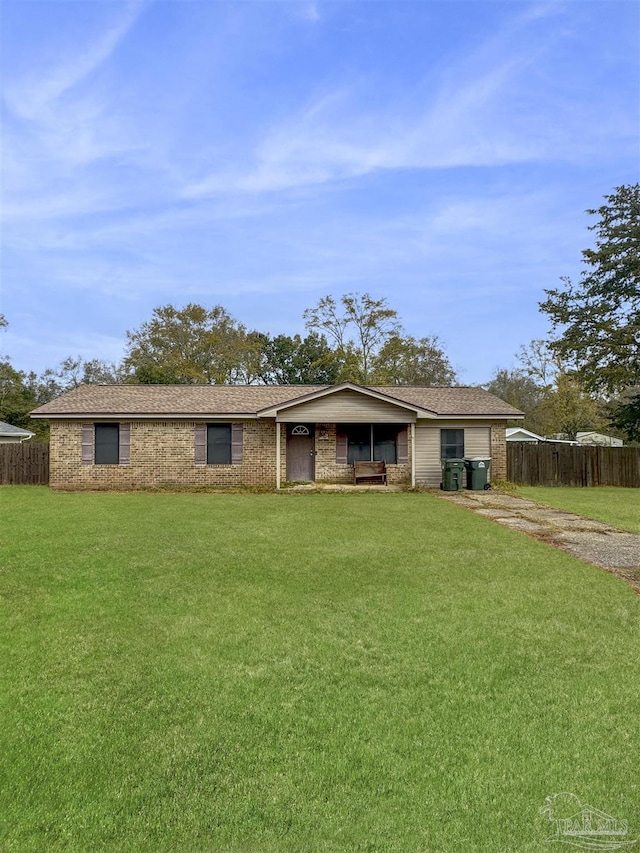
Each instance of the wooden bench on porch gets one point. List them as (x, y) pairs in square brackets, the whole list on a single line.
[(370, 471)]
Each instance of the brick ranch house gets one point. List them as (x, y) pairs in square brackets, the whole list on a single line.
[(136, 436)]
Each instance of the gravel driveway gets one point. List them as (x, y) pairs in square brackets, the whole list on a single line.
[(597, 543)]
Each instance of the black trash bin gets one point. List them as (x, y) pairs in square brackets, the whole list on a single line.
[(477, 472), (452, 474)]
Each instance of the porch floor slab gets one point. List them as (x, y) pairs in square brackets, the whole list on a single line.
[(340, 487)]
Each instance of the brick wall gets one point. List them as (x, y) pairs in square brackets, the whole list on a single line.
[(162, 453), (327, 469), (498, 451)]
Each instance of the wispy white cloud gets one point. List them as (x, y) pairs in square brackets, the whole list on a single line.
[(483, 112), (57, 123), (322, 145), (32, 98)]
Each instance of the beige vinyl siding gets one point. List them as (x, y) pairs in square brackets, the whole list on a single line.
[(477, 442), (347, 407)]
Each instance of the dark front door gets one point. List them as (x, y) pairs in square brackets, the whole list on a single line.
[(301, 456)]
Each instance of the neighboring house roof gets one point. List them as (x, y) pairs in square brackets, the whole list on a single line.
[(599, 438), (10, 431), (250, 400), (522, 434)]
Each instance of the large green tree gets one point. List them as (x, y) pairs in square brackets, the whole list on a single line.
[(405, 360), (626, 415), (193, 345), (295, 360), (17, 396), (596, 320), (359, 326), (518, 389), (567, 409)]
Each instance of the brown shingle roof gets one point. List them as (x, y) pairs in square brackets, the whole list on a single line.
[(451, 401), (221, 400), (171, 399)]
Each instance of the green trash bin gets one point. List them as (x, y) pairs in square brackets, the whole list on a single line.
[(477, 473), (452, 474)]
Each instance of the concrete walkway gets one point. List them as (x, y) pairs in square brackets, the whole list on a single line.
[(592, 541)]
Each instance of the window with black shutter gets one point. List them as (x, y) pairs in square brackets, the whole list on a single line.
[(359, 443), (385, 439), (218, 444), (371, 442), (107, 444)]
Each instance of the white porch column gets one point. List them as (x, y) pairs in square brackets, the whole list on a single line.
[(277, 455), (413, 455)]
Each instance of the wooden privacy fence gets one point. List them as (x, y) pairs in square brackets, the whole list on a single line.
[(567, 465), (24, 464)]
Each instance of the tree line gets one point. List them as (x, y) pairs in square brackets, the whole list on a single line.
[(585, 375), (354, 337)]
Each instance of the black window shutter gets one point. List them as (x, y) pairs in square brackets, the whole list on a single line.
[(87, 444), (237, 434), (200, 438), (402, 446), (342, 448), (124, 449)]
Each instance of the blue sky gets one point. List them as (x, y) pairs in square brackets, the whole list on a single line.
[(260, 155)]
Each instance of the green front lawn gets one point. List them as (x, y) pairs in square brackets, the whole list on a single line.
[(303, 672), (610, 504)]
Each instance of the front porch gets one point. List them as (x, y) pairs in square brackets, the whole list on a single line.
[(324, 453)]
